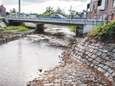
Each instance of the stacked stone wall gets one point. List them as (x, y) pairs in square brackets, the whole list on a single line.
[(100, 56), (85, 63)]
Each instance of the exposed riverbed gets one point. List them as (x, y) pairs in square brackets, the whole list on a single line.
[(21, 59)]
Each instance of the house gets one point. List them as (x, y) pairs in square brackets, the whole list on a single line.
[(101, 9), (2, 10)]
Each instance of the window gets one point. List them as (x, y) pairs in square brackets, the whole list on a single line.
[(88, 6), (99, 2)]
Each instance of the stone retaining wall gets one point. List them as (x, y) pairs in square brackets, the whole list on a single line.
[(100, 56), (86, 63)]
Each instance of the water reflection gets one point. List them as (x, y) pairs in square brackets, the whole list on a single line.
[(19, 49), (21, 59)]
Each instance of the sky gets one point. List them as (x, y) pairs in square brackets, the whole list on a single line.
[(39, 6)]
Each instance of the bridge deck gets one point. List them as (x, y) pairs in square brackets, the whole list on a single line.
[(56, 21)]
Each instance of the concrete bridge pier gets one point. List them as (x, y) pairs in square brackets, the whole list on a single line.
[(79, 30), (40, 28), (88, 28)]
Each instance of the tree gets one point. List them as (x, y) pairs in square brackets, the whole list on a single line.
[(49, 11), (72, 13), (13, 10), (60, 11)]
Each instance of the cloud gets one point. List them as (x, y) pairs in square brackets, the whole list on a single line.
[(39, 6), (35, 1)]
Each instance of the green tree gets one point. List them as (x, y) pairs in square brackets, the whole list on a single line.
[(59, 11), (13, 10), (49, 11), (72, 13)]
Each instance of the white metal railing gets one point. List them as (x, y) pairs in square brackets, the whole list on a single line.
[(56, 20)]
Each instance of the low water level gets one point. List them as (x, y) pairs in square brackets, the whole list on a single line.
[(21, 59)]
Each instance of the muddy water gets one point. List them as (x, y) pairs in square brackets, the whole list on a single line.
[(21, 59)]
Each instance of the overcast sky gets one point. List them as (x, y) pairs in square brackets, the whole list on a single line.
[(38, 6)]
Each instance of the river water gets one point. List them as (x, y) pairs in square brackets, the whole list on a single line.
[(21, 59)]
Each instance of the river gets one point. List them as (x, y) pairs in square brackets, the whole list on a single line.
[(21, 59)]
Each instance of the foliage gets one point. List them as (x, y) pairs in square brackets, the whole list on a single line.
[(49, 11), (13, 10), (20, 28), (104, 32), (73, 28), (60, 11), (1, 17), (72, 13)]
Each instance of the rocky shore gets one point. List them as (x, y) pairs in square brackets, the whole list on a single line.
[(85, 63), (10, 36), (51, 40)]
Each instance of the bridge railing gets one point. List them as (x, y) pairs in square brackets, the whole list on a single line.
[(57, 20)]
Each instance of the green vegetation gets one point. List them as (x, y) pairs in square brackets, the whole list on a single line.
[(73, 28), (1, 17), (104, 32), (20, 28), (49, 11)]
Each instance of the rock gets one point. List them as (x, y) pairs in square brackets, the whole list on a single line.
[(40, 70), (113, 50), (2, 25), (86, 63)]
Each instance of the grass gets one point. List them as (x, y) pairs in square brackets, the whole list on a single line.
[(1, 17), (20, 28)]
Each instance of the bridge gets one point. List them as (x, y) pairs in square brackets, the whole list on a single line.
[(87, 23)]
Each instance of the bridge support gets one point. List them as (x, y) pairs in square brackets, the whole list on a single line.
[(88, 28), (39, 28), (79, 30)]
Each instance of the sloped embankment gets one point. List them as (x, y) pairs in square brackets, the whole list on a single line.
[(90, 62)]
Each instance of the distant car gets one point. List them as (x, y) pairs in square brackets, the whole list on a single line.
[(33, 16), (58, 16)]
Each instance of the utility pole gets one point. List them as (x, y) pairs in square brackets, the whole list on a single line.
[(19, 6), (70, 12)]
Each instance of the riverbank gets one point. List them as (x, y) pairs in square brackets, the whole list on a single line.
[(10, 36), (10, 33), (76, 70), (87, 62)]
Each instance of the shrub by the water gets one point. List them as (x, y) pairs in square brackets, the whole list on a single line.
[(104, 32)]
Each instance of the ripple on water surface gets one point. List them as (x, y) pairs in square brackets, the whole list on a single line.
[(21, 59)]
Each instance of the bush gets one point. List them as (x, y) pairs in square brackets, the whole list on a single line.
[(104, 32)]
